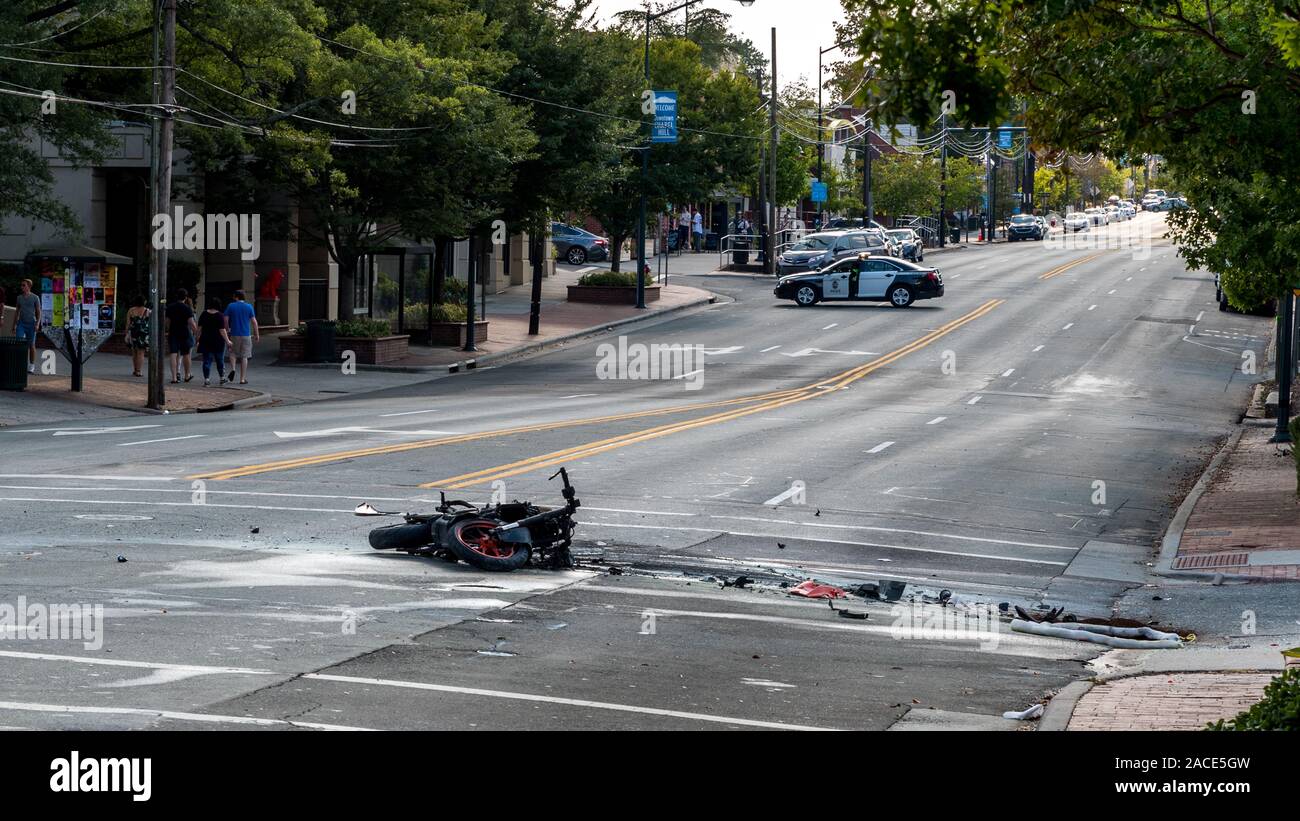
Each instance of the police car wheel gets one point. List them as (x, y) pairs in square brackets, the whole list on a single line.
[(806, 296), (901, 296)]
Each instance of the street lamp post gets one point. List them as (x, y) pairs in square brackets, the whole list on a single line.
[(651, 16), (821, 136)]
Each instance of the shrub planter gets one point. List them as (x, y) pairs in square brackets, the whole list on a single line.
[(611, 294), (292, 347), (368, 350), (453, 333), (373, 350)]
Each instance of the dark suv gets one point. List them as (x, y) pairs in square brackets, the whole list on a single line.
[(816, 251), (1024, 226)]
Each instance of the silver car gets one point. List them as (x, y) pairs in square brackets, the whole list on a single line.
[(816, 251)]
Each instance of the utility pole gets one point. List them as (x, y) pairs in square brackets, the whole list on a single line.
[(470, 281), (535, 238), (772, 148), (156, 398), (943, 182), (163, 198), (868, 204)]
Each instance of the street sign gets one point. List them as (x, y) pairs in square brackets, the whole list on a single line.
[(665, 125), (818, 191), (1004, 139)]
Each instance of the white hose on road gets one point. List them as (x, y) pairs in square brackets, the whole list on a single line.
[(1127, 638)]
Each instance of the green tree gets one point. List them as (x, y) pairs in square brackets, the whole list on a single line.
[(965, 183), (1212, 90), (719, 127), (905, 184), (27, 70)]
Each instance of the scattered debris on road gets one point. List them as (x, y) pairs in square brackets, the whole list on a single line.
[(815, 590), (1028, 714)]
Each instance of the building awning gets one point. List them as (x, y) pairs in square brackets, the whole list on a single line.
[(81, 253)]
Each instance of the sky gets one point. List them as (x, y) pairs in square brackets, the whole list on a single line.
[(802, 27)]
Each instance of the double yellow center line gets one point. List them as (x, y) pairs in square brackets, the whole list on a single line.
[(749, 405), (1060, 269), (820, 388)]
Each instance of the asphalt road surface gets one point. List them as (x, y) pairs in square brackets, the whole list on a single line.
[(1022, 440)]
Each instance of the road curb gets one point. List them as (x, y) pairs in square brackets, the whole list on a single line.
[(1174, 533), (1060, 709), (522, 350)]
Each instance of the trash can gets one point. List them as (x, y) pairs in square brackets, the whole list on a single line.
[(320, 341), (740, 251), (13, 363)]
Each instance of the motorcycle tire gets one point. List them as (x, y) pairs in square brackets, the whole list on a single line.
[(470, 541), (408, 536)]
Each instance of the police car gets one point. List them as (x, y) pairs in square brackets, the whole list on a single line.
[(866, 278)]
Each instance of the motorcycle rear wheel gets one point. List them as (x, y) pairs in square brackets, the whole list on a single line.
[(471, 542), (409, 536)]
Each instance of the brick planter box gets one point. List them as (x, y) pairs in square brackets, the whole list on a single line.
[(611, 294), (453, 333), (368, 351)]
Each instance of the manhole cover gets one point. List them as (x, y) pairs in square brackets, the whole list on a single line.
[(113, 517)]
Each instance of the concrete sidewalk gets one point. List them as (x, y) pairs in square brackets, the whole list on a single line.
[(111, 390)]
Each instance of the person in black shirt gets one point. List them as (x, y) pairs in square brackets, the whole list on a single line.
[(181, 329), (213, 341)]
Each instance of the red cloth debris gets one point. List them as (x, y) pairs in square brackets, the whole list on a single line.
[(813, 590)]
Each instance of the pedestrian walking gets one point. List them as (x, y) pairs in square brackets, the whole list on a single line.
[(137, 333), (213, 341), (697, 228), (29, 319), (181, 329), (243, 332)]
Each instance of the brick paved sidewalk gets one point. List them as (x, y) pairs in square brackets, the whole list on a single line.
[(1248, 520), (1169, 701)]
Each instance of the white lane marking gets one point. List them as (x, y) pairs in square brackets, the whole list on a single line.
[(773, 348), (930, 533), (688, 375), (974, 399), (1198, 316), (586, 270), (170, 504), (1111, 291), (169, 714), (579, 395), (221, 492), (936, 420), (407, 413), (1068, 326), (814, 351), (156, 441), (832, 325), (1191, 330), (822, 624), (781, 497), (1092, 307), (1128, 279), (312, 434), (89, 478), (1008, 371), (954, 276), (642, 512), (1143, 268), (149, 665), (722, 351), (572, 702), (906, 548), (880, 447), (1039, 348), (83, 431)]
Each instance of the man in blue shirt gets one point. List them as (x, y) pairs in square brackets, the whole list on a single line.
[(243, 332)]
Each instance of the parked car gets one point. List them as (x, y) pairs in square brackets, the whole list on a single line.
[(1025, 226), (1113, 214), (863, 277), (908, 243), (577, 246), (1097, 216), (1078, 221), (816, 251)]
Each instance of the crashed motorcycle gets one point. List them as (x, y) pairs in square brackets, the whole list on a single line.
[(500, 537)]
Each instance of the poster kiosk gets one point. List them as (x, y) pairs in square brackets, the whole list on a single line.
[(79, 299)]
